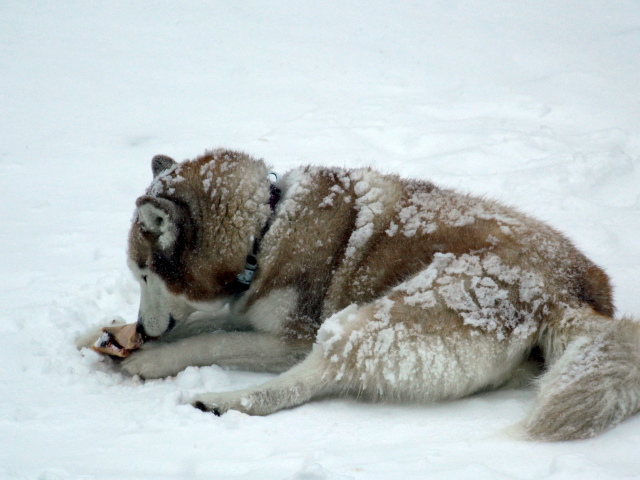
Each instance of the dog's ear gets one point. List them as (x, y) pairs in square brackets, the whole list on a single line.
[(160, 164), (160, 217)]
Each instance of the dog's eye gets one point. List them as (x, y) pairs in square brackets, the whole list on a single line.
[(144, 278)]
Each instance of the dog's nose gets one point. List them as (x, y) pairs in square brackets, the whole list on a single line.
[(140, 329)]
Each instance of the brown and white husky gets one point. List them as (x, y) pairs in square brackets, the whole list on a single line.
[(351, 282)]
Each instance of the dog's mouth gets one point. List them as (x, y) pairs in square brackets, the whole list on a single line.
[(172, 324), (140, 330), (149, 338)]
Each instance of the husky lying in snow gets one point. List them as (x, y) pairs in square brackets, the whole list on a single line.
[(372, 286)]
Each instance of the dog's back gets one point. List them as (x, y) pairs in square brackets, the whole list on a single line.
[(353, 236)]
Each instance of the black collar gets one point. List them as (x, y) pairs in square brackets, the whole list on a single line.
[(243, 281)]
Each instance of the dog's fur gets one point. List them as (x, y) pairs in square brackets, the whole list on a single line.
[(373, 286)]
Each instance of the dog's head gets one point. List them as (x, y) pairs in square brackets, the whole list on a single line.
[(191, 233)]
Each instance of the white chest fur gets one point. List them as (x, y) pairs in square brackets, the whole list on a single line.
[(270, 312)]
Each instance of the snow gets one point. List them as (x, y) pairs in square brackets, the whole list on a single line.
[(533, 104)]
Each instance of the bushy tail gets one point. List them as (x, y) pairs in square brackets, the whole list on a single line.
[(593, 385)]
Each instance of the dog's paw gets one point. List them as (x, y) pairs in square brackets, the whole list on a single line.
[(207, 407), (155, 360), (219, 403)]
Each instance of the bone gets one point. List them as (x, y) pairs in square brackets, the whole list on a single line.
[(118, 341)]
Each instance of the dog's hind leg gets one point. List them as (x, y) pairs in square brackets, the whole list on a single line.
[(376, 352), (294, 387)]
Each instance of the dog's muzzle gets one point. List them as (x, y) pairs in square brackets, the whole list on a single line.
[(146, 337)]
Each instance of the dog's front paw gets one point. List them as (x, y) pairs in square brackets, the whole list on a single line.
[(155, 360)]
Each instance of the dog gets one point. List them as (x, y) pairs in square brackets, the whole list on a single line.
[(350, 282)]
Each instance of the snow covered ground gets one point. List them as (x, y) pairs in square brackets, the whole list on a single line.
[(534, 103)]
